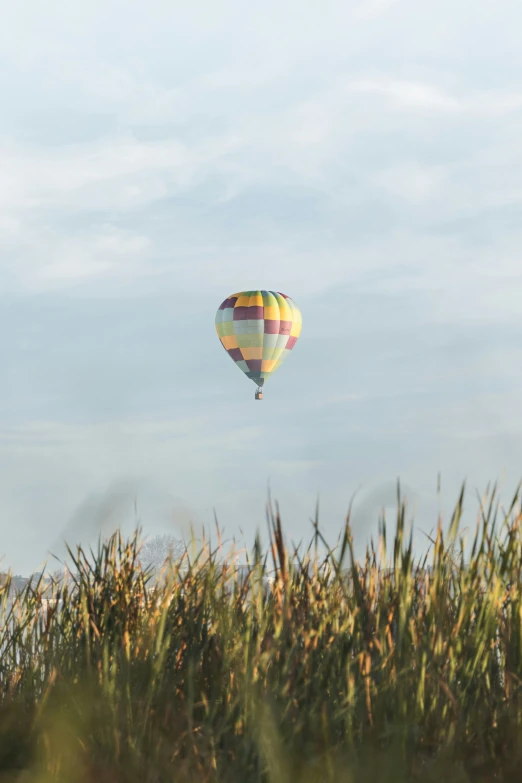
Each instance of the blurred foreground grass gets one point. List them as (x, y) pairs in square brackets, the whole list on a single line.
[(386, 670)]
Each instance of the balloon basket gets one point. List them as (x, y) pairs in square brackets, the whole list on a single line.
[(259, 394)]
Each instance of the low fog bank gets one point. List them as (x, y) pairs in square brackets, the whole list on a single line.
[(127, 505)]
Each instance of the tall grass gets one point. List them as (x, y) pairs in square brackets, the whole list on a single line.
[(388, 669)]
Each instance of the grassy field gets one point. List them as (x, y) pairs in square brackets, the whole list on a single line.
[(384, 670)]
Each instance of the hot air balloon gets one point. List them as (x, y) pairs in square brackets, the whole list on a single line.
[(258, 329)]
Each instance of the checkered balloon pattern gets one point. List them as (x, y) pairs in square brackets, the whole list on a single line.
[(258, 329)]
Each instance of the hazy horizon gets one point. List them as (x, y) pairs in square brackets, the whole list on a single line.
[(363, 157)]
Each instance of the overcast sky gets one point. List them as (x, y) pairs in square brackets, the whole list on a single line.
[(364, 157)]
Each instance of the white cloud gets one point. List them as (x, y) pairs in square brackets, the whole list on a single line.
[(10, 227), (102, 175), (426, 96), (413, 182), (372, 8), (412, 94), (109, 253), (47, 260)]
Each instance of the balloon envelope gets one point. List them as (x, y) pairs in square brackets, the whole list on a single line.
[(258, 329)]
